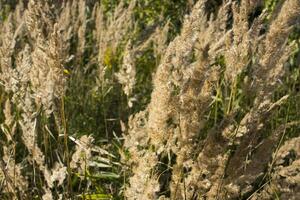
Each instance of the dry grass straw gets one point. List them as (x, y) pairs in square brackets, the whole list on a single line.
[(205, 133), (184, 85)]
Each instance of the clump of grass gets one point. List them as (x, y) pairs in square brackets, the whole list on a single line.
[(149, 99), (214, 92)]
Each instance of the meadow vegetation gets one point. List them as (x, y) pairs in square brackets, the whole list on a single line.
[(150, 99)]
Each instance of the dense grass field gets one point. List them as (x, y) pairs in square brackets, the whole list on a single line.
[(150, 99)]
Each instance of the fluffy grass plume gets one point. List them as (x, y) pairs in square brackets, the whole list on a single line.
[(147, 99)]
